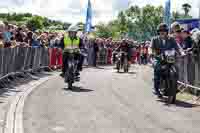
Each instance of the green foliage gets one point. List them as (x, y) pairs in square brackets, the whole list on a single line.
[(144, 21), (103, 31), (35, 23), (138, 23), (32, 21)]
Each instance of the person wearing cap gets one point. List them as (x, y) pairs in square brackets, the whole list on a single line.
[(187, 40), (159, 44), (71, 41), (176, 32)]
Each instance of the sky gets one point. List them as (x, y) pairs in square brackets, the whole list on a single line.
[(74, 11)]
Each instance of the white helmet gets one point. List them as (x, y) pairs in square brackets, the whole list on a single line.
[(73, 28), (196, 35)]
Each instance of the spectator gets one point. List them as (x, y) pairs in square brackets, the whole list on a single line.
[(187, 40), (2, 25), (43, 41), (57, 42), (29, 38), (52, 42), (35, 41), (176, 32), (96, 50), (7, 36), (1, 42), (19, 35), (138, 49)]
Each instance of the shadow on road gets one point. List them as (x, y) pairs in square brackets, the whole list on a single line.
[(181, 104), (78, 89), (98, 67), (185, 104), (131, 72), (125, 73)]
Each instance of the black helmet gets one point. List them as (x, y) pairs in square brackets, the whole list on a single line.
[(162, 27)]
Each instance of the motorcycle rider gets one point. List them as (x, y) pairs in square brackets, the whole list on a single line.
[(124, 47), (158, 44), (71, 41)]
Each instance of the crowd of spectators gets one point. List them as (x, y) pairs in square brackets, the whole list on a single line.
[(99, 49), (13, 36), (102, 48)]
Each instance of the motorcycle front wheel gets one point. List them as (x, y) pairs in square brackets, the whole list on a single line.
[(69, 76), (126, 66), (172, 84)]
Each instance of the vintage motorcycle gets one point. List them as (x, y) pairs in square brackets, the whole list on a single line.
[(71, 76), (169, 75), (122, 62)]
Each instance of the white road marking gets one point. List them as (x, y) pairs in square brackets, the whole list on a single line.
[(14, 118)]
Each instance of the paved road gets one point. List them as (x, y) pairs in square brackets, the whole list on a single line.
[(106, 102)]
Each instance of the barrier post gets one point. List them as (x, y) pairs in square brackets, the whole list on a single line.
[(185, 69), (1, 62)]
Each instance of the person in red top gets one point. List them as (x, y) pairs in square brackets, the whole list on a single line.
[(144, 53), (138, 54)]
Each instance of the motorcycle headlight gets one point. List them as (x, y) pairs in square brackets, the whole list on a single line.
[(171, 59)]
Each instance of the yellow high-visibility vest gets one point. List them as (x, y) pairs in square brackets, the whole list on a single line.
[(69, 43)]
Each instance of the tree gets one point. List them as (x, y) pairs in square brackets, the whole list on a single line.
[(46, 22), (35, 23), (186, 7), (103, 31), (122, 22), (138, 23), (142, 22)]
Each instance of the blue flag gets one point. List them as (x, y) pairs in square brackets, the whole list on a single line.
[(167, 13), (88, 25)]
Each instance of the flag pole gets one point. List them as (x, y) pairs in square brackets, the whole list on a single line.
[(88, 23)]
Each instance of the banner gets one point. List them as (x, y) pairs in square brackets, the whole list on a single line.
[(189, 24), (167, 12), (88, 25)]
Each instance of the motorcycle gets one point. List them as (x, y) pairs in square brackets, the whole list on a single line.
[(169, 76), (122, 62), (71, 69)]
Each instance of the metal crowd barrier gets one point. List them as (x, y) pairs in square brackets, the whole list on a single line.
[(189, 71), (22, 59)]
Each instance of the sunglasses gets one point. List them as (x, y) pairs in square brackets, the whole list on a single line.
[(162, 31)]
